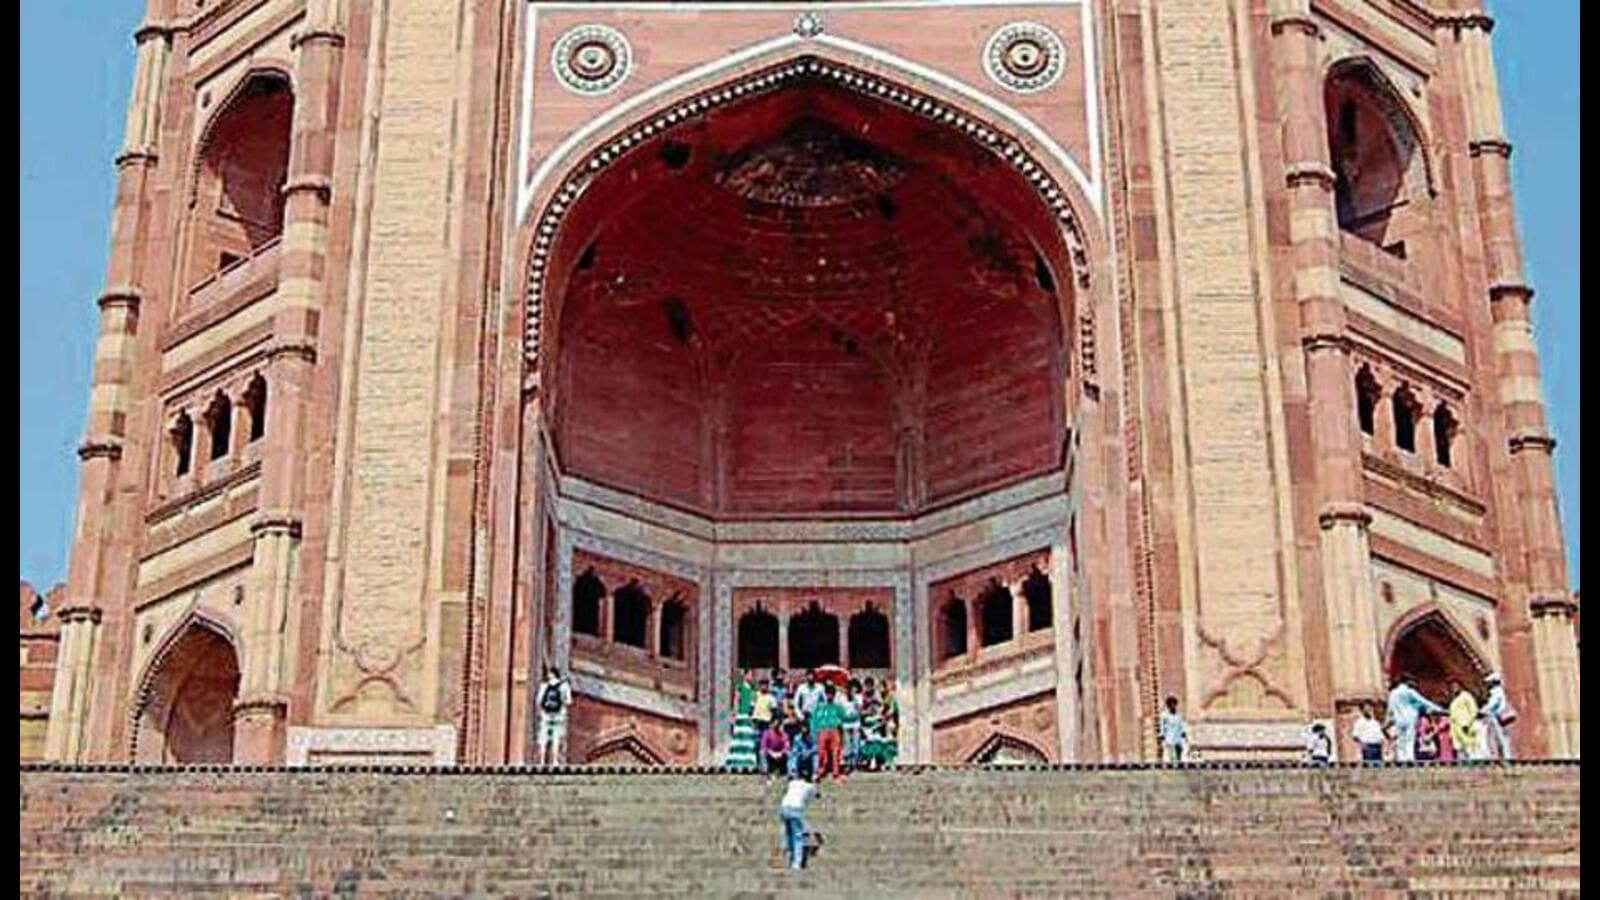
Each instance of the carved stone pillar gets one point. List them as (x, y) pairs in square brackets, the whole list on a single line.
[(69, 701), (103, 542), (1537, 620), (1356, 672), (844, 641), (783, 640)]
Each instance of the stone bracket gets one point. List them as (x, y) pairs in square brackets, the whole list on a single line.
[(321, 185), (79, 612), (1531, 439), (276, 523), (1297, 21), (1491, 147), (1540, 605), (125, 296), (1310, 172)]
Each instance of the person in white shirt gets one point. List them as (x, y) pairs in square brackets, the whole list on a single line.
[(1319, 746), (555, 696), (1174, 732), (792, 813), (1497, 710), (1368, 733), (807, 695)]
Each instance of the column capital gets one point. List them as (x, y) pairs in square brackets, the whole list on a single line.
[(330, 37), (276, 523), (100, 446), (1318, 342), (1344, 511), (1510, 290), (125, 295), (146, 156), (293, 348), (1493, 146), (1531, 439), (153, 30), (1312, 172), (1474, 20), (1295, 21), (262, 705), (320, 185), (1541, 605), (79, 612)]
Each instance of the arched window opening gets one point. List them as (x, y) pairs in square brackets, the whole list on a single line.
[(255, 403), (1405, 420), (587, 592), (1434, 655), (674, 631), (1367, 392), (994, 615), (630, 606), (869, 639), (1036, 590), (953, 619), (238, 201), (188, 707), (1444, 434), (1376, 157), (183, 443), (758, 639), (813, 638), (219, 421)]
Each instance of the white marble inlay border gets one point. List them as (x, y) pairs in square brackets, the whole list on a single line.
[(634, 697), (1091, 181), (438, 741), (1013, 688)]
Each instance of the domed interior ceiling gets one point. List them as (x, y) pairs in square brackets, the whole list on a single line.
[(808, 303)]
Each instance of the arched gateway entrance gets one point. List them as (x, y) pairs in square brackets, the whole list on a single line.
[(786, 337)]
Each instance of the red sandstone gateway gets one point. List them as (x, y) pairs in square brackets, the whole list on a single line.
[(1047, 358)]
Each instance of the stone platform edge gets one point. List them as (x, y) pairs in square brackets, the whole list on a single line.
[(649, 771)]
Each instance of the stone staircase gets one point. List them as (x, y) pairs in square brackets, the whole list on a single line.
[(1264, 830)]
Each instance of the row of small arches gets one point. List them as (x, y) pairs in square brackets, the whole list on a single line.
[(217, 420), (630, 609), (1405, 409), (994, 609)]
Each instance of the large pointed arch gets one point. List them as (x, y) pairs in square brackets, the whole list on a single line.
[(1428, 646), (1076, 240), (1406, 128), (182, 710)]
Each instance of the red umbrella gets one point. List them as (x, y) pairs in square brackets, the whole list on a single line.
[(839, 675)]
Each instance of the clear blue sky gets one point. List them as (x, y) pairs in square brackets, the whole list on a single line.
[(77, 63)]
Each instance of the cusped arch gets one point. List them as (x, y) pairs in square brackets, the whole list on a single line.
[(624, 747), (1407, 131), (1011, 748), (151, 703), (582, 160)]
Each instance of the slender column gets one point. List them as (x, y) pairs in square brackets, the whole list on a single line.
[(844, 641), (783, 640), (1019, 611), (1356, 671), (972, 629), (652, 638), (291, 362), (109, 405), (1543, 617)]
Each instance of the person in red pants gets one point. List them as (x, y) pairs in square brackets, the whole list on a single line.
[(827, 723)]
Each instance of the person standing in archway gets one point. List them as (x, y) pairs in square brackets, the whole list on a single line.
[(1498, 713), (1368, 734), (1406, 706), (1464, 722)]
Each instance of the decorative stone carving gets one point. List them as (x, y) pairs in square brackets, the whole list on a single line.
[(592, 59), (808, 25), (1025, 57)]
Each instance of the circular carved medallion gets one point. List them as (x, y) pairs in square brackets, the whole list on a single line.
[(1025, 57), (592, 59)]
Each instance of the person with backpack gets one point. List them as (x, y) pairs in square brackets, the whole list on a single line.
[(1319, 746), (555, 697)]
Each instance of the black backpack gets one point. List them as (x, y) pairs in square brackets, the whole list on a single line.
[(550, 700)]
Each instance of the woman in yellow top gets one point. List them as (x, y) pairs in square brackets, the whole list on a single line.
[(1464, 722)]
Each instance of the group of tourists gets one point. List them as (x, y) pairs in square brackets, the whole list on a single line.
[(1415, 728), (782, 725), (1423, 730)]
